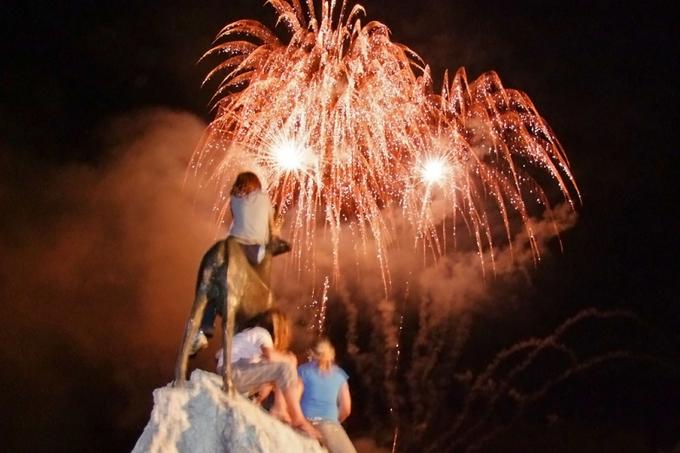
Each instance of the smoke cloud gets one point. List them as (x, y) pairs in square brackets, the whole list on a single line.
[(97, 274)]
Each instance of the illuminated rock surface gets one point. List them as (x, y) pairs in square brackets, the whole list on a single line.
[(200, 419)]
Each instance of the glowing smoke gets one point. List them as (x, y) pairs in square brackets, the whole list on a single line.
[(98, 269)]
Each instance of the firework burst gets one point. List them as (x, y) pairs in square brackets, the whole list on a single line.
[(344, 126)]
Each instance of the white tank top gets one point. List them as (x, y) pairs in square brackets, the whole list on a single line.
[(247, 345), (250, 218)]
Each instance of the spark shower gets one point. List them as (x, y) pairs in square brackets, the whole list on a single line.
[(345, 126)]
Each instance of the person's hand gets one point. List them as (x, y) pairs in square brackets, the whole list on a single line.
[(310, 431), (276, 227)]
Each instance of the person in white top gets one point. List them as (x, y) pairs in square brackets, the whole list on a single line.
[(251, 217), (260, 358)]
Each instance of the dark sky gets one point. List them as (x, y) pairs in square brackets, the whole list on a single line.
[(91, 94)]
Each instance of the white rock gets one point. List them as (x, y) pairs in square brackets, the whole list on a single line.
[(200, 418)]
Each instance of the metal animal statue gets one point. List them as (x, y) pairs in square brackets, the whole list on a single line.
[(241, 291)]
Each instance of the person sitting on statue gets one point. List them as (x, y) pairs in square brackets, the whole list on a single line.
[(326, 401), (260, 357), (252, 226)]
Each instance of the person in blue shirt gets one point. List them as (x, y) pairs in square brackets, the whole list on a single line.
[(326, 401)]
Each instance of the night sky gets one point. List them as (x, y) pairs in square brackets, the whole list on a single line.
[(101, 106)]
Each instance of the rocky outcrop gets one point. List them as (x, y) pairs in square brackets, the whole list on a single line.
[(200, 418)]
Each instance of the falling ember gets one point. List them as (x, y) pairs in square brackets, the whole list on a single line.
[(318, 307), (339, 119), (395, 435), (321, 316)]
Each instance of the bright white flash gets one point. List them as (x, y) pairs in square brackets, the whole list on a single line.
[(288, 155), (433, 170)]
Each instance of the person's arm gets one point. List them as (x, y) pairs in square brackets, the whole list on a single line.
[(273, 355), (274, 227), (344, 402)]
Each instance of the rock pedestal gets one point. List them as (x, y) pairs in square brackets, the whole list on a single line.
[(200, 418)]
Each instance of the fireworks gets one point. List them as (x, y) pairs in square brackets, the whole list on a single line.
[(344, 126), (433, 171)]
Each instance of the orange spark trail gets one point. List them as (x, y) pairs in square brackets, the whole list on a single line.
[(344, 125)]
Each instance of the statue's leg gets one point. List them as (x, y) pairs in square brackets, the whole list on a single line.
[(230, 306), (212, 309), (229, 311), (190, 332)]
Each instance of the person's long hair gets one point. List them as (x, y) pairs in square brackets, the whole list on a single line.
[(245, 183), (323, 353), (276, 323)]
